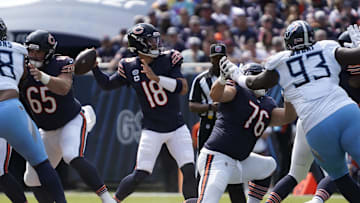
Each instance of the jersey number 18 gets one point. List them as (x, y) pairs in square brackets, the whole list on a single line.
[(155, 94)]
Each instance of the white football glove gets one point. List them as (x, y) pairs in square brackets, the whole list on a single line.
[(354, 34), (227, 67)]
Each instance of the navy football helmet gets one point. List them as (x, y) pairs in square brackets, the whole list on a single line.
[(3, 30), (253, 69), (41, 40), (144, 38), (299, 35)]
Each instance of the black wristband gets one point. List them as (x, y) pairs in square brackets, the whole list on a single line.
[(209, 107)]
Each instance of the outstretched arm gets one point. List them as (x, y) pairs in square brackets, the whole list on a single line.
[(264, 80), (107, 82)]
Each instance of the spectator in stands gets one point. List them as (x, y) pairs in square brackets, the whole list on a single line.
[(277, 23), (182, 20), (233, 53), (194, 29), (152, 18), (222, 11), (320, 35), (193, 53), (240, 29), (172, 40), (107, 51), (222, 31), (117, 40), (205, 16), (123, 52), (266, 32), (277, 45), (180, 4), (251, 53), (321, 22)]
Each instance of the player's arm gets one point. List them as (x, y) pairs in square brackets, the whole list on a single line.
[(282, 116), (109, 82), (220, 92), (60, 84), (347, 56), (264, 80), (178, 85)]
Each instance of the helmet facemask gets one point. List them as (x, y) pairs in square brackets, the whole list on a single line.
[(152, 44), (3, 30)]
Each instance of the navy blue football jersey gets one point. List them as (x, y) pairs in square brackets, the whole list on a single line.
[(354, 93), (51, 111), (240, 123), (161, 108)]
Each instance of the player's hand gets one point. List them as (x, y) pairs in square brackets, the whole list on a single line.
[(227, 67), (148, 71), (354, 34), (35, 72)]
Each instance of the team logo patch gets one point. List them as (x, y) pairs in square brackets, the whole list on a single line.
[(218, 49), (138, 30), (291, 29), (135, 72)]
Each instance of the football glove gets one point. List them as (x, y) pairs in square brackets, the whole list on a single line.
[(354, 34)]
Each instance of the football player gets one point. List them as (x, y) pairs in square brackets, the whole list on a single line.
[(309, 74), (201, 102), (17, 127), (227, 156), (158, 83), (63, 126), (301, 155)]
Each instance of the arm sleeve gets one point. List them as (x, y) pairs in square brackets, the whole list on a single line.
[(107, 82)]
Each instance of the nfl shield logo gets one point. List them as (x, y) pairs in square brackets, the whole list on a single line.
[(218, 49)]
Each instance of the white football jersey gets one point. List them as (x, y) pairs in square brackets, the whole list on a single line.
[(310, 80), (11, 64)]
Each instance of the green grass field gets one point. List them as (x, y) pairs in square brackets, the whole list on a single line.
[(86, 197)]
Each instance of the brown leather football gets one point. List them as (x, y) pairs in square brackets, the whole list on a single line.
[(85, 61)]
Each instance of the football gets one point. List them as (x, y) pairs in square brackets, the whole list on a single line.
[(85, 61)]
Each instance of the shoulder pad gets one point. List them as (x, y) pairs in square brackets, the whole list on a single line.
[(20, 48), (175, 57), (276, 59), (67, 63), (327, 44)]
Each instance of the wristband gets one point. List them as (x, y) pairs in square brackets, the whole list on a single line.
[(209, 107), (45, 78), (168, 83)]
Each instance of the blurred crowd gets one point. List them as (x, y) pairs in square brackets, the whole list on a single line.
[(251, 29)]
